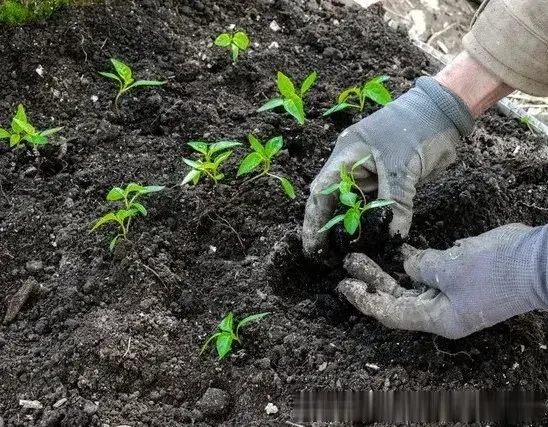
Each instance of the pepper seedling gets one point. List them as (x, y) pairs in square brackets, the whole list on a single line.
[(262, 155), (356, 97), (236, 43), (130, 208), (124, 77), (212, 157), (291, 100), (353, 199), (226, 334), (23, 131)]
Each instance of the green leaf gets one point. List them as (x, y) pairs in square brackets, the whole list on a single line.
[(4, 134), (345, 186), (273, 146), (348, 199), (24, 126), (198, 146), (235, 53), (147, 83), (351, 221), (133, 187), (308, 82), (377, 92), (151, 189), (227, 324), (110, 217), (288, 187), (114, 241), (123, 71), (223, 40), (219, 176), (221, 158), (331, 189), (294, 106), (331, 223), (241, 40), (122, 214), (224, 344), (344, 173), (380, 79), (193, 164), (36, 139), (142, 210), (211, 338), (256, 145), (222, 145), (48, 132), (360, 162), (193, 175), (335, 108), (110, 76), (249, 163), (21, 114), (115, 194), (285, 85), (15, 139), (346, 93), (273, 103), (250, 319), (377, 204)]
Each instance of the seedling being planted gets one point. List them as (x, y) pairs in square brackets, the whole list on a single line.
[(23, 131), (356, 97), (226, 334), (236, 43), (292, 99), (353, 201), (212, 156), (129, 208), (124, 77), (262, 155)]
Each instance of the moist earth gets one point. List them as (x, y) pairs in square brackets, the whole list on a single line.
[(110, 339)]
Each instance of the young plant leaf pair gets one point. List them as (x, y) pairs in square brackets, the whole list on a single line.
[(213, 156), (226, 334), (352, 198), (356, 97), (23, 131), (292, 99), (130, 208), (235, 43), (124, 77)]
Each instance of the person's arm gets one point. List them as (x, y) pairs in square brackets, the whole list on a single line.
[(510, 39)]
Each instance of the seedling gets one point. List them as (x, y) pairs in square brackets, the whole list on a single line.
[(124, 77), (351, 197), (291, 100), (356, 97), (262, 155), (23, 131), (130, 207), (526, 120), (212, 157), (233, 42), (226, 334)]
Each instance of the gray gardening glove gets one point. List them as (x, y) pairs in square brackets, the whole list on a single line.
[(475, 284), (409, 140)]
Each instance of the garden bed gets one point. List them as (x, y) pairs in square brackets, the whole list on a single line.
[(118, 336)]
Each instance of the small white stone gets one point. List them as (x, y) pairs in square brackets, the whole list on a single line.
[(515, 365), (322, 367), (372, 366), (542, 346), (60, 402), (212, 249), (270, 409), (274, 26), (336, 22), (94, 98), (273, 45), (30, 404), (40, 71), (231, 27)]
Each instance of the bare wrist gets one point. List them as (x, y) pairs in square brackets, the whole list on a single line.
[(473, 83)]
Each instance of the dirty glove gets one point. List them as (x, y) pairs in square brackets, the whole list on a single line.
[(475, 284), (409, 140)]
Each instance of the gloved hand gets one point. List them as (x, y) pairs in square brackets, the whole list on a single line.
[(409, 140), (475, 284)]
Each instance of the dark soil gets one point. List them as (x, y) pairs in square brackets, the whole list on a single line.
[(118, 336)]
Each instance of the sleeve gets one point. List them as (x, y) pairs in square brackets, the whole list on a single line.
[(510, 39)]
